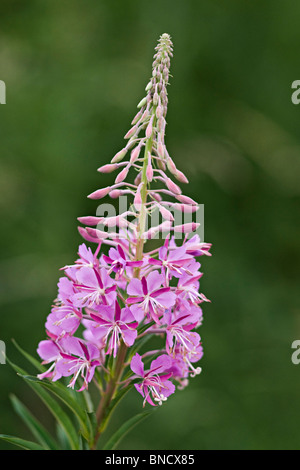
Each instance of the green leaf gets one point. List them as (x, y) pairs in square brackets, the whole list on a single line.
[(123, 430), (28, 445), (58, 413), (37, 429), (65, 395), (30, 358), (113, 405)]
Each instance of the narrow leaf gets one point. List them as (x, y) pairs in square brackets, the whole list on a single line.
[(58, 413), (124, 429), (37, 429), (28, 445)]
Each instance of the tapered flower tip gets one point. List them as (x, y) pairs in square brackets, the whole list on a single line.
[(83, 232), (187, 228), (96, 234), (108, 168), (89, 220), (119, 156), (181, 177), (100, 193)]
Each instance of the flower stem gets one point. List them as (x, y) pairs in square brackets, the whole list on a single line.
[(109, 392)]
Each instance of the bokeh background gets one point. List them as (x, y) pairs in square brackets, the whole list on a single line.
[(74, 72)]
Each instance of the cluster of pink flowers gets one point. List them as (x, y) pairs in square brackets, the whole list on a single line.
[(113, 299)]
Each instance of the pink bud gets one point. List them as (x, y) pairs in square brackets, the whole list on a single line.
[(107, 168), (138, 178), (157, 197), (159, 112), (135, 153), (149, 170), (165, 213), (186, 228), (155, 98), (186, 199), (115, 221), (171, 166), (138, 198), (187, 208), (119, 156), (152, 232), (136, 118), (172, 186), (122, 175), (86, 236), (149, 128), (131, 132), (181, 177), (90, 220), (160, 150), (96, 234), (99, 193), (161, 164), (115, 193)]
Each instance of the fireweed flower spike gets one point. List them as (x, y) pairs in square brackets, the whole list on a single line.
[(117, 293)]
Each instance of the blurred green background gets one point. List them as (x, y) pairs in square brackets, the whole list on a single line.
[(74, 72)]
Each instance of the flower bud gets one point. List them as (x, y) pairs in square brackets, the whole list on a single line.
[(149, 86), (135, 153), (172, 186), (119, 156), (181, 177), (186, 228), (131, 132), (149, 170), (122, 175), (186, 199), (100, 193), (108, 168), (90, 220), (142, 102), (149, 128)]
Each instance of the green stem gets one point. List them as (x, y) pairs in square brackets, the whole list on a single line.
[(110, 391), (144, 193), (112, 385)]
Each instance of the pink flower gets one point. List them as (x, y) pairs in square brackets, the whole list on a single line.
[(179, 331), (118, 261), (149, 298), (79, 360), (111, 324), (155, 384), (172, 262), (95, 287), (63, 319), (49, 351)]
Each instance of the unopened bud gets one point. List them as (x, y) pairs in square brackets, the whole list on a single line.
[(131, 132), (149, 128), (172, 186), (181, 177), (149, 86), (90, 220), (142, 102), (100, 193), (186, 228), (107, 168), (119, 156), (122, 175), (135, 153)]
